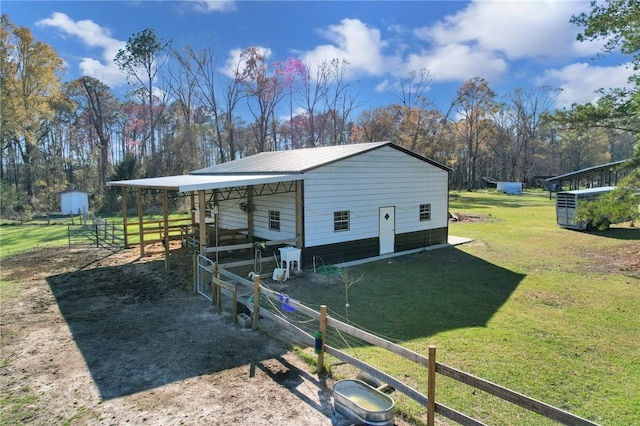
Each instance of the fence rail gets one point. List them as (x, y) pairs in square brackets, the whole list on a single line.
[(98, 231), (429, 363)]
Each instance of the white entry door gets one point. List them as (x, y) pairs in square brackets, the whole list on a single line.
[(387, 229)]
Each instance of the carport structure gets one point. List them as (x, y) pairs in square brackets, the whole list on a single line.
[(205, 192), (602, 175)]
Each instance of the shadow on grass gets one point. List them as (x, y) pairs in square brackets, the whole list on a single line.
[(629, 234), (420, 295), (138, 327)]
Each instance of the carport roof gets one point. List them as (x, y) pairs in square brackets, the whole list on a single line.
[(586, 172), (186, 183)]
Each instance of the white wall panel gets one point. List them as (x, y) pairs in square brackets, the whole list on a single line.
[(364, 183)]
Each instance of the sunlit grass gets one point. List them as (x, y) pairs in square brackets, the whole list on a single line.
[(16, 239)]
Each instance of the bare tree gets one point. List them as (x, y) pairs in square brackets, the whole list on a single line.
[(99, 107), (474, 103), (141, 59), (339, 100), (205, 70), (528, 109), (264, 92)]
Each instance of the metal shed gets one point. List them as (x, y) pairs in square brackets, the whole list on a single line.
[(73, 201)]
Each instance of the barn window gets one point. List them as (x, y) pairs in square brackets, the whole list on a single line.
[(341, 220), (274, 220), (425, 212)]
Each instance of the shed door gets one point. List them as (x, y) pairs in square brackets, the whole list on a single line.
[(387, 229)]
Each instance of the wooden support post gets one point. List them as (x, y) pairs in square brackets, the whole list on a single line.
[(299, 215), (124, 216), (165, 240), (196, 271), (323, 332), (234, 306), (203, 223), (140, 223), (431, 386), (192, 197), (216, 222), (215, 290), (250, 213), (256, 301)]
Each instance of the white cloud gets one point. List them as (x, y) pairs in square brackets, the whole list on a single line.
[(95, 36), (236, 64), (355, 42), (580, 81), (515, 29), (458, 62), (207, 6)]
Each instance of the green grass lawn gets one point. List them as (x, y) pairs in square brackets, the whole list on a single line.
[(16, 238), (530, 306)]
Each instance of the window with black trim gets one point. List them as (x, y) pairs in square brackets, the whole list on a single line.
[(425, 212), (274, 220), (341, 221)]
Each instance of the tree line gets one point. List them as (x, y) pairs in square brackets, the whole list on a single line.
[(183, 112)]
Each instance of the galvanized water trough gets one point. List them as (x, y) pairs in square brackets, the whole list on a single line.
[(362, 403)]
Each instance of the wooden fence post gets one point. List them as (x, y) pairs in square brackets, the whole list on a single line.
[(431, 387), (256, 301), (123, 197), (196, 271), (323, 336), (215, 289), (234, 306)]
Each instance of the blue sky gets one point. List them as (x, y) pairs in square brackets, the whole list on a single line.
[(512, 44)]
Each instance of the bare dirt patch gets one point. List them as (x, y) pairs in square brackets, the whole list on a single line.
[(95, 337), (624, 260)]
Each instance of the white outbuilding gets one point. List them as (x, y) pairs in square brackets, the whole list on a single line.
[(512, 188), (73, 201)]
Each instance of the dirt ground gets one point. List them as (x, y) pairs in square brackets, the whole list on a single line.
[(91, 337)]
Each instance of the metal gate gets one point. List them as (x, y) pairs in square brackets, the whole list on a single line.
[(204, 276)]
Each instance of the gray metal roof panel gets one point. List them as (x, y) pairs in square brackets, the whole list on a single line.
[(289, 161), (586, 171), (185, 183), (597, 190), (300, 160)]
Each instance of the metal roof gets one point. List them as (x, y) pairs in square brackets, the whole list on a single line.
[(263, 168), (288, 161), (585, 172), (597, 190), (299, 160), (186, 183)]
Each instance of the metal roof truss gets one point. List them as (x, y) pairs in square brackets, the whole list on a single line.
[(240, 192)]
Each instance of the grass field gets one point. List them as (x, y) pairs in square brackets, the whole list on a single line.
[(544, 311), (16, 238)]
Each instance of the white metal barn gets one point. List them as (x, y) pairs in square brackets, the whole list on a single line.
[(73, 201), (339, 203)]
